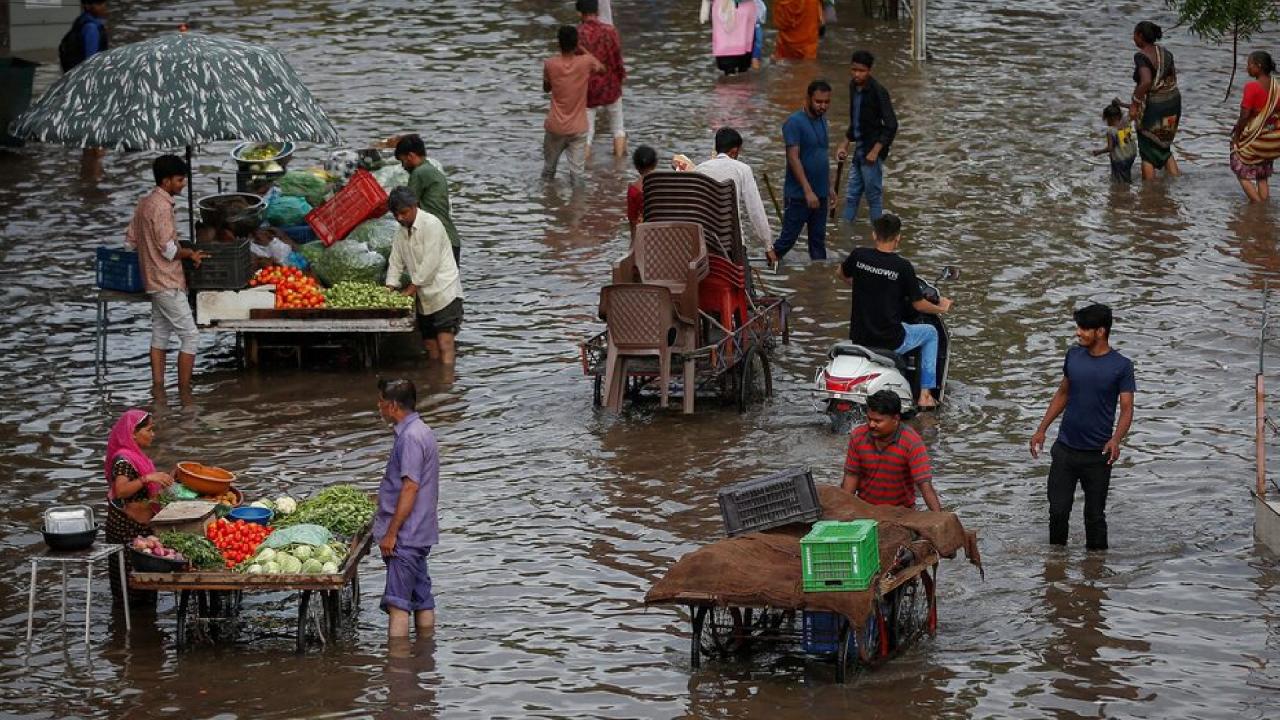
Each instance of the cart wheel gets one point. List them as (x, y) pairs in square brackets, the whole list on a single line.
[(716, 632), (597, 390), (868, 642), (303, 605), (910, 613), (184, 600), (698, 616), (845, 647), (755, 382)]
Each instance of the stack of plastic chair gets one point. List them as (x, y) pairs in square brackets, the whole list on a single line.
[(724, 293), (694, 197), (642, 322), (671, 254)]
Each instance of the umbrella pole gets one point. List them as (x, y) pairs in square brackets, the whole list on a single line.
[(191, 205)]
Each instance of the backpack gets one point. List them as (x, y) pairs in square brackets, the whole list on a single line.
[(71, 48)]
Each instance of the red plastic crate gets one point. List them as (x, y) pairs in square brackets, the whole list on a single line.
[(362, 199)]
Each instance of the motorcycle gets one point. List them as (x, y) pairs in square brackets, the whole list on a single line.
[(854, 372)]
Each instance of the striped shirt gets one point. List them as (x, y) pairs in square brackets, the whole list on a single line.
[(889, 476)]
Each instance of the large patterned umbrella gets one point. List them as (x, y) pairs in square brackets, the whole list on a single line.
[(177, 90)]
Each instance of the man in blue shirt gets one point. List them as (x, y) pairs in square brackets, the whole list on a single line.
[(872, 127), (87, 37), (406, 525), (806, 192), (1095, 378)]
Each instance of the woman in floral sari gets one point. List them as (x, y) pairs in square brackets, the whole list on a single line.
[(132, 482), (1255, 140), (1157, 104)]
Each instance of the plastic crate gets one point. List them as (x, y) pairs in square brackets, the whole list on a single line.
[(228, 267), (837, 556), (820, 632), (362, 198), (119, 270), (779, 499)]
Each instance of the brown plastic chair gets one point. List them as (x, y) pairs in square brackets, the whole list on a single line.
[(642, 322), (671, 254)]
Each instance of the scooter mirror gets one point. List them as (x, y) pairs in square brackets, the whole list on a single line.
[(949, 272)]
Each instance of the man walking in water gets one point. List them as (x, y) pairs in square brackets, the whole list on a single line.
[(726, 166), (565, 76), (807, 189), (872, 127), (1095, 378), (604, 91)]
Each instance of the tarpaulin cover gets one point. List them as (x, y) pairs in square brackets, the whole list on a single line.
[(762, 569)]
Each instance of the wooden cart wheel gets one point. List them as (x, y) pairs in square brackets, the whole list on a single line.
[(717, 632), (755, 382), (698, 615)]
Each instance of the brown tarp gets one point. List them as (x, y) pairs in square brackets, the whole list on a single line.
[(763, 568)]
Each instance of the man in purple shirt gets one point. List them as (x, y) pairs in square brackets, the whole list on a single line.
[(406, 525)]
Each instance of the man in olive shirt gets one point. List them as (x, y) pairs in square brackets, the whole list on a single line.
[(428, 183)]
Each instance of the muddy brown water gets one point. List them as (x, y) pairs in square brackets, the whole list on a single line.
[(556, 517)]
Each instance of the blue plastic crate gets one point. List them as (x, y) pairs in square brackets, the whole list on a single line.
[(820, 632), (119, 270)]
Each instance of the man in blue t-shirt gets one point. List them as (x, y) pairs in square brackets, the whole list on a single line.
[(1095, 379), (806, 192)]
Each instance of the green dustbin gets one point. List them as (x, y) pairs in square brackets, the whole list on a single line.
[(16, 78)]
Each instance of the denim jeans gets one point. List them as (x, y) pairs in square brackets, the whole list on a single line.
[(866, 180), (925, 337), (795, 217), (1090, 469)]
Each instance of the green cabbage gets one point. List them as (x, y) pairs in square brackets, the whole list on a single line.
[(312, 566), (265, 554), (302, 552), (271, 568), (254, 569), (289, 565), (324, 553), (330, 568), (303, 184)]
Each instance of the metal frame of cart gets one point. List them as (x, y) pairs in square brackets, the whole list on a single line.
[(905, 608), (215, 596), (736, 365)]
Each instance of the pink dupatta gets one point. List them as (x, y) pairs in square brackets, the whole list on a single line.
[(122, 446)]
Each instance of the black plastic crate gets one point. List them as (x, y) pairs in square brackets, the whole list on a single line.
[(768, 502), (228, 267)]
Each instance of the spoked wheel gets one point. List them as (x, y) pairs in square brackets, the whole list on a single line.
[(755, 383), (310, 617), (714, 629), (858, 649), (910, 613)]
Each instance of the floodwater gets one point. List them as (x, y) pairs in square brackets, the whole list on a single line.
[(556, 517)]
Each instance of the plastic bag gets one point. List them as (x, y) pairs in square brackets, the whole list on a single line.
[(353, 261), (391, 176), (298, 260), (298, 535), (312, 251), (287, 210), (377, 234), (305, 185)]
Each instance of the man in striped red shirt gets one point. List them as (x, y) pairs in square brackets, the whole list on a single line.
[(887, 460)]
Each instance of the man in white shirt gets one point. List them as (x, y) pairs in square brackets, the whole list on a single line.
[(423, 251), (726, 166)]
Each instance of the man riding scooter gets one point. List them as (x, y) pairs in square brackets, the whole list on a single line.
[(884, 283)]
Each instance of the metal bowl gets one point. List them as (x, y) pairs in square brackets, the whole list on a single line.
[(70, 542), (282, 158), (241, 213)]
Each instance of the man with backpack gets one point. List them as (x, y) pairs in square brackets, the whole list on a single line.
[(87, 36)]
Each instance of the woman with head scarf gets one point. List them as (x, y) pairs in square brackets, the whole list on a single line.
[(132, 483), (1157, 103), (1255, 139)]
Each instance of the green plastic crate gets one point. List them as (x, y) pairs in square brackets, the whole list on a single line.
[(840, 556)]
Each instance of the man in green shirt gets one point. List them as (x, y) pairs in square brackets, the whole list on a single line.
[(428, 183)]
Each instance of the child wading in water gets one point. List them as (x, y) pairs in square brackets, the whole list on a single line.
[(645, 159), (1122, 146)]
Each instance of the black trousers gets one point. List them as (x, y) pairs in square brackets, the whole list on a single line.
[(1090, 469)]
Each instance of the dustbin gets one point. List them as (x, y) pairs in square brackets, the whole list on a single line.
[(16, 78)]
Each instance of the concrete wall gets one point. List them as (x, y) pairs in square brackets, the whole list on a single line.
[(35, 27)]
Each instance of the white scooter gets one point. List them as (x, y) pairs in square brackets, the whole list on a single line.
[(853, 372)]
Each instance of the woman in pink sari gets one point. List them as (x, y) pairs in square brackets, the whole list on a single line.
[(132, 484)]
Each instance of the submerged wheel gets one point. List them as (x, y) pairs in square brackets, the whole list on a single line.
[(910, 613), (755, 381)]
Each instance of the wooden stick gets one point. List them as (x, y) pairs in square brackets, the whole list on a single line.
[(772, 195), (839, 174)]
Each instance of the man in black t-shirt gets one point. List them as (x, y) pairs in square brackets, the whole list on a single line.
[(884, 283)]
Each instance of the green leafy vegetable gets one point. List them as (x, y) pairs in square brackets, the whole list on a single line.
[(198, 550), (343, 509)]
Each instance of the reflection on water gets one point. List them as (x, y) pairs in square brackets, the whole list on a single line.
[(556, 518)]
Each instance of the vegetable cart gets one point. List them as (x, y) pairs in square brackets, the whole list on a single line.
[(211, 598), (362, 331), (734, 364)]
